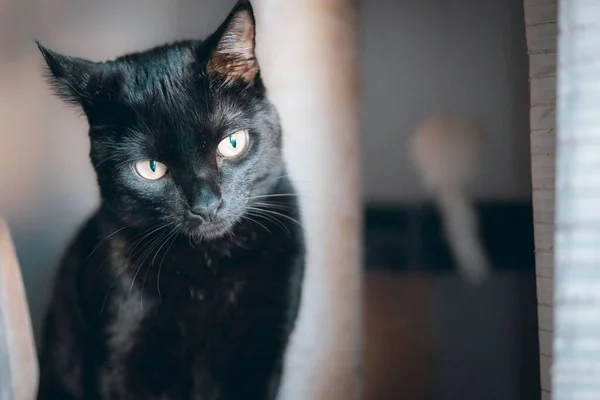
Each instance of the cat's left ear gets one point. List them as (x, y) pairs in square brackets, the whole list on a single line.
[(233, 56), (70, 76)]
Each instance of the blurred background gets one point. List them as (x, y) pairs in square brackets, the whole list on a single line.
[(429, 335)]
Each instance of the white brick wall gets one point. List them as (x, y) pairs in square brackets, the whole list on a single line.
[(540, 20)]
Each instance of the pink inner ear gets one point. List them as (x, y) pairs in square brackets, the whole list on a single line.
[(234, 54)]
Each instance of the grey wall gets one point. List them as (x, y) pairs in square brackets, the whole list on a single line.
[(418, 56), (486, 343), (459, 56)]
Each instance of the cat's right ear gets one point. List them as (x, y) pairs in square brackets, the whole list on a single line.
[(233, 55), (69, 76)]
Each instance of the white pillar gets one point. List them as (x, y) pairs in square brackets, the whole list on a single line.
[(308, 55), (18, 358), (576, 369)]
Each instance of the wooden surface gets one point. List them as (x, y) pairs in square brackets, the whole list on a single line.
[(540, 20), (433, 336), (398, 337), (18, 358)]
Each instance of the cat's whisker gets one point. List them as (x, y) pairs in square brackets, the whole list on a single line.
[(260, 214), (269, 180), (109, 236), (174, 237), (137, 267), (197, 236), (172, 232), (150, 248), (231, 235), (266, 210), (112, 285), (145, 250), (280, 206), (162, 238), (256, 222), (153, 229), (165, 239), (263, 196)]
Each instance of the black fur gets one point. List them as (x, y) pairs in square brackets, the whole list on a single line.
[(151, 301)]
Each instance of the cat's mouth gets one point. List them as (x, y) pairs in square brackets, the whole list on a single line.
[(208, 230), (214, 231)]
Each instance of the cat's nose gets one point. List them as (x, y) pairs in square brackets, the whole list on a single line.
[(206, 205)]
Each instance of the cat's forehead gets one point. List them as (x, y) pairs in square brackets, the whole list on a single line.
[(165, 71), (170, 99), (170, 82), (169, 89), (170, 106)]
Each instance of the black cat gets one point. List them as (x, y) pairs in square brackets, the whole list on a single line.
[(185, 284)]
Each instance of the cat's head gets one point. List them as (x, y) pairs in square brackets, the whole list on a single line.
[(180, 134)]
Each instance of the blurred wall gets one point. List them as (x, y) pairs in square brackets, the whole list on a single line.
[(419, 57), (459, 56)]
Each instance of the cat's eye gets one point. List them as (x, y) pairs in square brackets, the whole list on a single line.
[(150, 169), (233, 145)]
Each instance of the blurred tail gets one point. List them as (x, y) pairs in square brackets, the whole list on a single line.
[(460, 224), (446, 150)]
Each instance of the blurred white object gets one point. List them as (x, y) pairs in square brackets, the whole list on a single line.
[(575, 370), (18, 359), (446, 150)]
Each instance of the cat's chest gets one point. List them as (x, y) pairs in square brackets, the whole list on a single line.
[(196, 335), (202, 318), (196, 300), (201, 301), (203, 286)]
